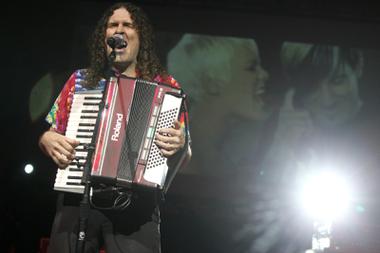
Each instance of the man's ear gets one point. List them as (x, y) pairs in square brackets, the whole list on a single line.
[(212, 86)]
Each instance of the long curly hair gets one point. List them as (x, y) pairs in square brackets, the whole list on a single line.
[(148, 64)]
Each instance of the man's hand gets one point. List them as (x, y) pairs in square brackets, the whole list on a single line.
[(170, 140), (60, 148)]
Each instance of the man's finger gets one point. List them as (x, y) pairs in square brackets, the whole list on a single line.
[(62, 158), (68, 144), (60, 165), (177, 124), (74, 143), (168, 139), (167, 153), (64, 151), (169, 131), (165, 145)]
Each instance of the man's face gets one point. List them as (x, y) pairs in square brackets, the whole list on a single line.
[(121, 23)]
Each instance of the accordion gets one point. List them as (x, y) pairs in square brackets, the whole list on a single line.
[(125, 154)]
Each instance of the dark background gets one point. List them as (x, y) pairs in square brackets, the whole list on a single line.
[(40, 38)]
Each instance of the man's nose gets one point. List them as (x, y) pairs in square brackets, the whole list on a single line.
[(120, 29)]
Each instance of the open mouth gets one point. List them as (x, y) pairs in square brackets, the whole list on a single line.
[(260, 89), (120, 49)]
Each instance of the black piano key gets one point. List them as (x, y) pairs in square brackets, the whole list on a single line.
[(74, 177), (88, 117), (84, 136), (92, 98), (75, 163), (73, 183), (90, 111), (85, 130), (75, 169), (86, 124), (87, 103)]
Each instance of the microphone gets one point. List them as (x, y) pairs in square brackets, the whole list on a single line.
[(116, 41)]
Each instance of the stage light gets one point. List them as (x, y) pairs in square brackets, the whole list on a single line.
[(326, 196), (40, 97), (28, 169)]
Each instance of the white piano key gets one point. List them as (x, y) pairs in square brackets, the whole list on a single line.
[(74, 174), (83, 140), (81, 163), (70, 132), (71, 135), (87, 96), (74, 168), (78, 128), (70, 188), (81, 154), (77, 107), (73, 121), (78, 115)]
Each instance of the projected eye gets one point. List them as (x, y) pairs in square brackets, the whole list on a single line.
[(252, 66), (338, 80)]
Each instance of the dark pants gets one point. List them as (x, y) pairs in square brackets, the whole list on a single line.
[(132, 230)]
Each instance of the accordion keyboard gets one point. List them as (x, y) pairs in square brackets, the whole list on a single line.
[(81, 125)]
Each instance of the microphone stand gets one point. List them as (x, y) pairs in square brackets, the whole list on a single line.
[(84, 208)]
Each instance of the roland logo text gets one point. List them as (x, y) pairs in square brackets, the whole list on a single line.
[(116, 129)]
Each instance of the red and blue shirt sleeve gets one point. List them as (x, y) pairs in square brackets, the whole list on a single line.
[(59, 113)]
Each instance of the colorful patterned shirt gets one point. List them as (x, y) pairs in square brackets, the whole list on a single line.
[(59, 113)]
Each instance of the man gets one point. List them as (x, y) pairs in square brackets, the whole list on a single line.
[(135, 229)]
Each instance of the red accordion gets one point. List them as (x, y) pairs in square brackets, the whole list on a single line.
[(125, 154)]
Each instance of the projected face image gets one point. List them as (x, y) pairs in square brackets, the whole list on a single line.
[(325, 79), (225, 82), (336, 99), (243, 92)]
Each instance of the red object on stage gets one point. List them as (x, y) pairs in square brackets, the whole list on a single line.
[(44, 243)]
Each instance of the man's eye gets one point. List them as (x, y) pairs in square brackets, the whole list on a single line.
[(128, 25), (111, 25)]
